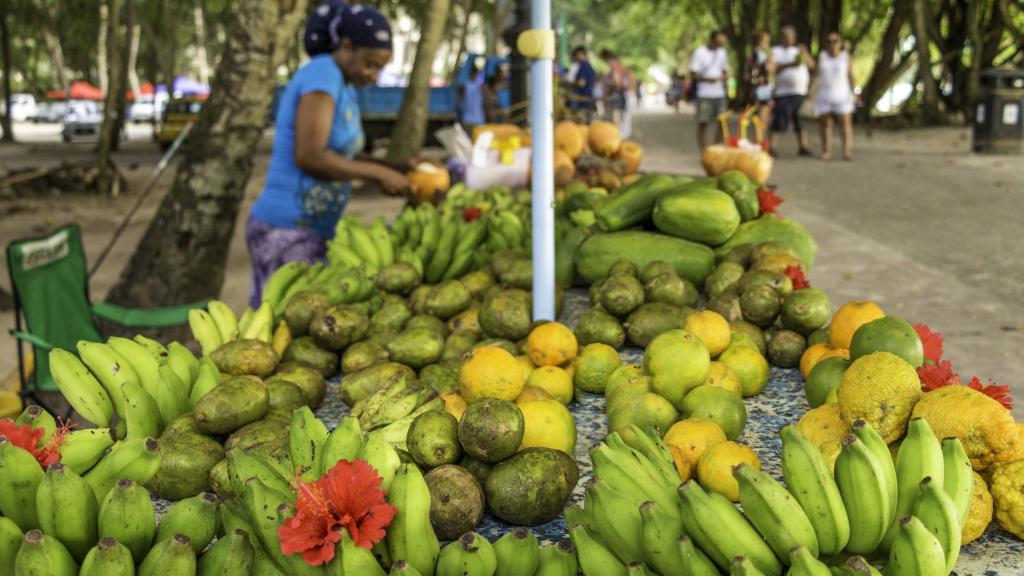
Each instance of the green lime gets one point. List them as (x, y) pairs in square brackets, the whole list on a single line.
[(888, 334), (720, 406), (824, 379)]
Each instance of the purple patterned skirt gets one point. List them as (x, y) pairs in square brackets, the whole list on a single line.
[(270, 247)]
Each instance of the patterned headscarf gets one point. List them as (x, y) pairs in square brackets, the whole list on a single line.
[(364, 27)]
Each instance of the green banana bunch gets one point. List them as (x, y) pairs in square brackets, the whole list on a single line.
[(957, 476), (10, 542), (442, 255), (302, 282), (81, 449), (261, 328), (108, 558), (939, 514), (136, 460), (204, 330), (40, 554), (171, 557), (557, 560), (403, 568), (266, 508), (36, 417), (364, 246), (695, 561), (855, 566), (80, 388), (21, 476), (245, 465), (472, 235), (637, 569), (110, 368), (382, 242), (615, 518), (231, 555), (382, 456), (183, 362), (127, 515), (470, 555), (225, 319), (368, 409), (915, 551), (804, 563), (743, 566), (628, 474), (141, 413), (774, 512), (352, 559), (195, 517), (919, 456), (158, 350), (405, 254), (714, 523), (148, 371), (874, 442), (431, 222), (410, 535), (651, 446), (67, 510), (208, 379), (307, 436), (281, 280), (810, 481), (234, 516), (396, 432), (861, 481), (517, 552), (660, 534), (595, 559), (343, 443)]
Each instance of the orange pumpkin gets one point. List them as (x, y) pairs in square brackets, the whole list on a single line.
[(428, 183), (631, 153), (569, 139), (604, 138)]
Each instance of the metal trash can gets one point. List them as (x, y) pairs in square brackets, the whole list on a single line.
[(999, 112)]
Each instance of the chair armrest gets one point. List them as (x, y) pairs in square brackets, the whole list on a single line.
[(32, 339), (145, 317)]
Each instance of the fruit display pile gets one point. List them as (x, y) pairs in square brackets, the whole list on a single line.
[(459, 412)]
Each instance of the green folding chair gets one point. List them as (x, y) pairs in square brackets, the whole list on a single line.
[(52, 308)]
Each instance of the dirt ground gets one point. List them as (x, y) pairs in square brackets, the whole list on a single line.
[(916, 223)]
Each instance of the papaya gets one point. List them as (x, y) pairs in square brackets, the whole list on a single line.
[(771, 229), (743, 191), (596, 255), (702, 215)]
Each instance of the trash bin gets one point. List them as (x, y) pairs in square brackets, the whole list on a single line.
[(999, 112)]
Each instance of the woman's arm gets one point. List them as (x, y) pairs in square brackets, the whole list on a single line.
[(312, 131)]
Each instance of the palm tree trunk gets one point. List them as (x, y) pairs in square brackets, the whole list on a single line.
[(410, 131), (5, 45), (108, 130), (922, 41)]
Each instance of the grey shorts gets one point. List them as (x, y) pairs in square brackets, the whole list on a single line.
[(708, 109)]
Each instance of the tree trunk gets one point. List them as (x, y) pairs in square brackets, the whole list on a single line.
[(133, 59), (56, 53), (467, 13), (5, 45), (125, 48), (922, 44), (410, 131), (202, 55), (166, 30), (108, 129), (182, 256), (102, 46), (830, 16)]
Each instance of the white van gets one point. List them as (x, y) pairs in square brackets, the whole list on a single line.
[(23, 106)]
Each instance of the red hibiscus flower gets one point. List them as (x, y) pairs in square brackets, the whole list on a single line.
[(935, 376), (768, 201), (930, 341), (796, 275), (31, 440), (349, 497), (997, 392)]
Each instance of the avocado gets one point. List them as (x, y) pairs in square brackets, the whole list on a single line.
[(231, 405), (506, 345), (742, 255), (502, 261), (284, 394), (596, 325), (440, 377), (427, 321), (785, 348), (806, 310), (519, 274), (301, 308), (652, 319), (620, 295), (456, 501), (339, 326), (478, 468), (819, 336), (308, 379), (468, 319), (506, 314), (655, 268), (594, 292), (447, 299), (491, 429), (725, 276), (623, 267), (393, 315), (245, 356), (458, 343), (669, 288), (183, 424), (304, 349), (433, 439), (267, 436), (531, 487), (185, 464), (362, 355), (760, 305), (416, 347), (418, 298), (778, 282), (755, 334), (398, 278), (727, 304), (478, 282)]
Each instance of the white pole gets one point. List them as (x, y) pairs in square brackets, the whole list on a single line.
[(542, 159)]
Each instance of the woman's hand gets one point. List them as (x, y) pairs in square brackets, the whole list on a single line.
[(393, 183)]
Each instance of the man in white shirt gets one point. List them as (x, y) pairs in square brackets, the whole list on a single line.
[(709, 67), (793, 65)]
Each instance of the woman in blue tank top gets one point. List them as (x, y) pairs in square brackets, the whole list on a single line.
[(318, 137)]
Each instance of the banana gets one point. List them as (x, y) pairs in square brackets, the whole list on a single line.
[(343, 255), (282, 338), (557, 560), (204, 330), (656, 452), (244, 465), (719, 529), (40, 554), (626, 473), (183, 362), (382, 242), (306, 438), (195, 517), (660, 534), (208, 379), (460, 265), (743, 566), (127, 515), (407, 255), (108, 558), (20, 476), (804, 563), (261, 326), (382, 456), (443, 254), (466, 557), (364, 246), (774, 512), (80, 388), (855, 566), (810, 481), (37, 417), (141, 413), (67, 510), (156, 349), (280, 280), (351, 559), (637, 569), (431, 229), (616, 519), (595, 558), (266, 507), (234, 516), (517, 552), (231, 555), (111, 370), (939, 514), (246, 318), (225, 319), (915, 551), (148, 371), (860, 478), (176, 391), (920, 456), (957, 476), (403, 568), (874, 442), (410, 535), (695, 561), (342, 443), (136, 460), (172, 557), (10, 541)]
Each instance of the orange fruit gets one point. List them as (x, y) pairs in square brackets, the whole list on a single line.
[(454, 404), (631, 153), (604, 138), (693, 436), (565, 169), (569, 139), (818, 352), (553, 380), (531, 393), (714, 469), (551, 344), (490, 372), (848, 318)]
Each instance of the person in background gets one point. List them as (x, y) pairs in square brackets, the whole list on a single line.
[(471, 99), (709, 67), (793, 66), (615, 87), (756, 70), (834, 101), (582, 78), (317, 142), (492, 107)]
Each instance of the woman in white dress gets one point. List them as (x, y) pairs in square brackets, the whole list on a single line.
[(834, 101)]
